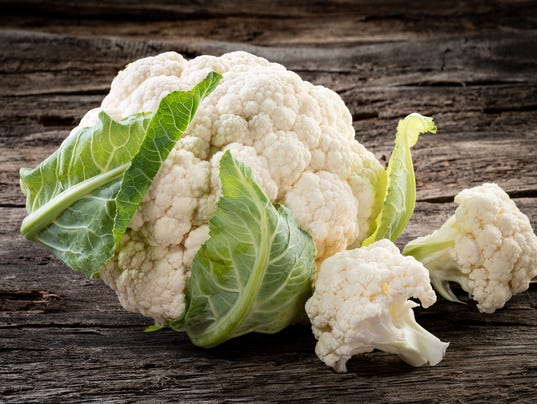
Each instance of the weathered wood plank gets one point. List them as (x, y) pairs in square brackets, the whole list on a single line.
[(96, 361), (500, 58), (272, 23), (160, 366), (172, 10)]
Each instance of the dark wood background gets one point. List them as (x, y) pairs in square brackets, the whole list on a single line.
[(471, 65)]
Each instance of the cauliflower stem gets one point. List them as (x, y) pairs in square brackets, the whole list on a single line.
[(435, 252), (409, 340)]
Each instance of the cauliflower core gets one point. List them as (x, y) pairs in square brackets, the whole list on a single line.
[(297, 138), (488, 246), (361, 303)]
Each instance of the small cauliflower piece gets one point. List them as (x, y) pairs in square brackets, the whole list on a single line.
[(361, 303), (488, 247), (297, 138)]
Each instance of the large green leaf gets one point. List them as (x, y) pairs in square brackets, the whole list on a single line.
[(81, 198), (400, 198), (255, 271)]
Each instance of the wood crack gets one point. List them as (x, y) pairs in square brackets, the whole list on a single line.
[(516, 194), (474, 83), (20, 326), (102, 91), (514, 108)]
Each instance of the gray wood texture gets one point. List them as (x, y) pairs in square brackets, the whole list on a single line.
[(471, 65)]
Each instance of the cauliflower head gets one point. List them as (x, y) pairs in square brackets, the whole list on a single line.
[(488, 247), (361, 303), (296, 137)]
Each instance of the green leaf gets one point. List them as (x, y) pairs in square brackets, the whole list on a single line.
[(254, 273), (81, 198), (400, 198), (172, 118)]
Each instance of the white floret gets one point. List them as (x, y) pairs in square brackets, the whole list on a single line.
[(193, 243), (324, 207), (491, 252), (257, 163), (297, 138), (165, 65), (361, 303), (148, 279)]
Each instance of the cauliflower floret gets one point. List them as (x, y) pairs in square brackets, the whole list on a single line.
[(361, 303), (193, 243), (487, 246), (165, 65), (169, 207), (147, 278), (248, 156), (297, 138), (321, 203)]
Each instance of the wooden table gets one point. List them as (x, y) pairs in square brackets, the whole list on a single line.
[(471, 66)]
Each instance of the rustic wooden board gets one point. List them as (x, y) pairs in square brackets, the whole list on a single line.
[(471, 66)]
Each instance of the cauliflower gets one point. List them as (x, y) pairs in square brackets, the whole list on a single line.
[(297, 138), (206, 193), (488, 247), (361, 303)]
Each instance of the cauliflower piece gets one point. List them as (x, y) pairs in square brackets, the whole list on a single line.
[(297, 138), (488, 247), (361, 303)]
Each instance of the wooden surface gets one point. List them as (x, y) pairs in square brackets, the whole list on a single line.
[(471, 66)]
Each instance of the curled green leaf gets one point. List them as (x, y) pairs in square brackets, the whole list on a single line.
[(400, 198)]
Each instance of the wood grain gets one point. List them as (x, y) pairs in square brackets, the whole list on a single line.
[(470, 65)]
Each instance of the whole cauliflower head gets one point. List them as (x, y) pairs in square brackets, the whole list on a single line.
[(361, 303), (488, 246), (297, 138)]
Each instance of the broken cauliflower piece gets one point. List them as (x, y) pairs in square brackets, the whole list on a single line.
[(361, 303), (488, 247)]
